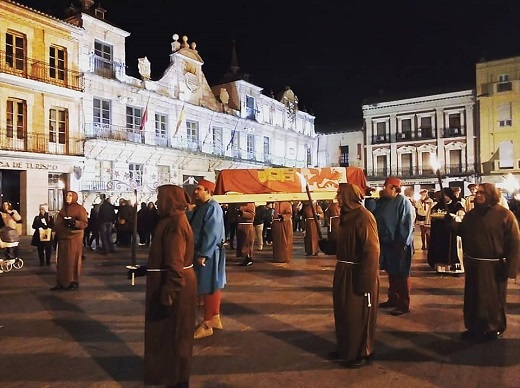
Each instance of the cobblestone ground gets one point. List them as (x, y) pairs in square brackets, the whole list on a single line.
[(278, 328)]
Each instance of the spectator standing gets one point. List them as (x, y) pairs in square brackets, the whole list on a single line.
[(469, 200), (93, 227), (43, 222), (150, 223), (395, 217), (258, 223), (207, 222), (490, 239), (10, 218), (106, 218), (141, 223), (268, 224), (231, 220), (424, 206), (125, 223), (282, 232), (356, 278), (70, 223), (171, 294)]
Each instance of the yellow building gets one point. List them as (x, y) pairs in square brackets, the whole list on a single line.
[(498, 96), (40, 96)]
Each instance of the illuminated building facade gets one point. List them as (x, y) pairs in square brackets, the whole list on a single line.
[(400, 136), (41, 148), (498, 97), (141, 133)]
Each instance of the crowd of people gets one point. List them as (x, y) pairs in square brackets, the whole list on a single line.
[(187, 238)]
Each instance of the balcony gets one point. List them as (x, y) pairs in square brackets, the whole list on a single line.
[(105, 68), (378, 173), (454, 132), (109, 184), (404, 136), (39, 143), (40, 71), (116, 132), (459, 169), (426, 133), (379, 139)]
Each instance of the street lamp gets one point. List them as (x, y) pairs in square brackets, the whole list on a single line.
[(133, 266)]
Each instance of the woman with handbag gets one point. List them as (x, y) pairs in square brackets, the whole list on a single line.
[(42, 238)]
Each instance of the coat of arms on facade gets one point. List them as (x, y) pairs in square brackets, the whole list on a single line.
[(290, 101)]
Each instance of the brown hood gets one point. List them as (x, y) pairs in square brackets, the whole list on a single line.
[(350, 197), (171, 200), (74, 196)]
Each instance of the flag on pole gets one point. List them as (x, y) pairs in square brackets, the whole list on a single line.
[(179, 120), (144, 117), (232, 140)]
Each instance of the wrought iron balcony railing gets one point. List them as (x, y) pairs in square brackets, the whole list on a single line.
[(39, 142), (106, 68), (454, 131), (121, 133), (40, 71)]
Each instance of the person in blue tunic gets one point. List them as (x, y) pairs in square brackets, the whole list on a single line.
[(394, 214), (207, 222)]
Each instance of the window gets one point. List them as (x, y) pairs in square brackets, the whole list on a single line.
[(16, 118), (57, 125), (192, 134), (163, 175), (103, 62), (343, 156), (425, 129), (504, 115), (267, 150), (101, 114), (309, 156), (381, 129), (135, 172), (406, 165), (15, 47), (504, 85), (506, 155), (381, 165), (250, 146), (406, 129), (218, 147), (133, 118), (250, 108), (57, 61), (161, 129)]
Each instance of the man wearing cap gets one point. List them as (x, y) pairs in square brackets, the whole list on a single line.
[(394, 214), (207, 222)]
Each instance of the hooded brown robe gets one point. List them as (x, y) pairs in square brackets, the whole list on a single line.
[(311, 237), (245, 230), (70, 242), (355, 290), (491, 244), (171, 293), (282, 232)]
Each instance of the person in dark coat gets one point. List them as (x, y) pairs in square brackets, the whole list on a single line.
[(142, 229), (151, 220), (125, 223), (443, 247), (491, 244), (356, 278), (43, 221), (207, 222), (282, 232), (70, 223), (171, 294), (106, 218)]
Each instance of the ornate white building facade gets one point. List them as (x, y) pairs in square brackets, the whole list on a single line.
[(142, 133), (401, 135)]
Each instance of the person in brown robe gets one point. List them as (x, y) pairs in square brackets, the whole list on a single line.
[(245, 232), (171, 293), (311, 229), (355, 290), (332, 220), (282, 232), (69, 225), (491, 245)]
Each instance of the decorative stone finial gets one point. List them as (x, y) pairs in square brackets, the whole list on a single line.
[(194, 46), (184, 43), (175, 44)]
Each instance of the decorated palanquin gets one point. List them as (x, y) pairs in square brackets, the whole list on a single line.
[(290, 181)]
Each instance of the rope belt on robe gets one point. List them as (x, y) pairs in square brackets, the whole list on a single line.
[(367, 294), (164, 269), (484, 259)]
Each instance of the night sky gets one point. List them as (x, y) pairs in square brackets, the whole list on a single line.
[(333, 57)]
